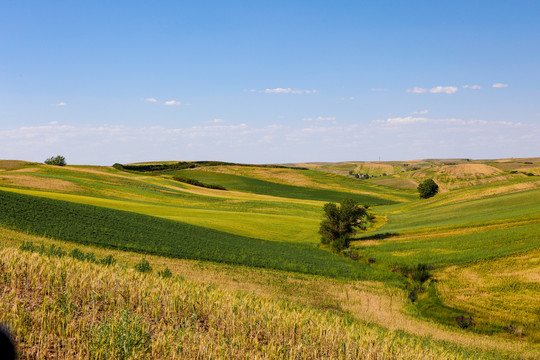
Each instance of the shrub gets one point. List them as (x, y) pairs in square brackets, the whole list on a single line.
[(428, 188), (464, 322), (56, 160), (143, 266), (108, 260), (194, 182), (165, 273)]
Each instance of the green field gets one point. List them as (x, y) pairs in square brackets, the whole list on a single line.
[(267, 218)]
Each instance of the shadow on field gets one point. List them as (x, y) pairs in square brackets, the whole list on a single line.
[(378, 236)]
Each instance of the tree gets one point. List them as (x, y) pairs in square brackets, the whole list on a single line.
[(56, 160), (340, 222), (428, 188)]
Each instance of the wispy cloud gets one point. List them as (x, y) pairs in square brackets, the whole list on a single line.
[(152, 100), (331, 119), (215, 121), (379, 89), (410, 120), (473, 87), (443, 89), (172, 103), (499, 85), (417, 90), (434, 90), (421, 112), (284, 91), (404, 138), (405, 120), (60, 104)]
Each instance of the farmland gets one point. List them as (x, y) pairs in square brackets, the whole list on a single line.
[(480, 235)]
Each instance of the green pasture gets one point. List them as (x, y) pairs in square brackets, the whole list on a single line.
[(521, 206), (248, 222), (99, 226), (456, 249), (256, 186)]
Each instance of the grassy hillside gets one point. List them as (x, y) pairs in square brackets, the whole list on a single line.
[(484, 221), (150, 235), (144, 316)]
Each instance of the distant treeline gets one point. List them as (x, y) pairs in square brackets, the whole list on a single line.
[(194, 182), (181, 165)]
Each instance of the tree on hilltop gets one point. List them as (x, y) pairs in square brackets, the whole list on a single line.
[(56, 160), (427, 188)]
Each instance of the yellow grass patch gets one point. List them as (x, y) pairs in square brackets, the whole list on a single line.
[(498, 190), (11, 164), (368, 301), (379, 168), (37, 182), (504, 290), (468, 171)]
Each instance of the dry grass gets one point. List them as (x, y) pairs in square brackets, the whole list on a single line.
[(468, 171), (505, 291), (491, 191), (12, 164), (35, 182), (366, 301), (64, 308)]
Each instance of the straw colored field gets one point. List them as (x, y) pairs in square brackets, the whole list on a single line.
[(504, 290), (46, 302)]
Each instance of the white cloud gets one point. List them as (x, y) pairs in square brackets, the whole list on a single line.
[(60, 104), (443, 89), (378, 89), (152, 100), (284, 91), (405, 120), (321, 118), (421, 112), (407, 137), (328, 118), (216, 121), (499, 85), (172, 103), (417, 90), (53, 123), (473, 87)]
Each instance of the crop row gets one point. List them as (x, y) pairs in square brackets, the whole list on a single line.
[(92, 225), (257, 186)]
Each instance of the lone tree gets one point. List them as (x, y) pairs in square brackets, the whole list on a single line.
[(340, 222), (428, 188), (56, 160)]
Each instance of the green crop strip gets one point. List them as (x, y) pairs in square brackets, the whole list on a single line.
[(256, 186), (104, 227)]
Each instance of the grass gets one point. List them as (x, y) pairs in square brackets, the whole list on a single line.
[(494, 221), (256, 186), (456, 249), (146, 234), (133, 315), (504, 290)]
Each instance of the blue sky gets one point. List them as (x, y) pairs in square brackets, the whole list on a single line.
[(269, 81)]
